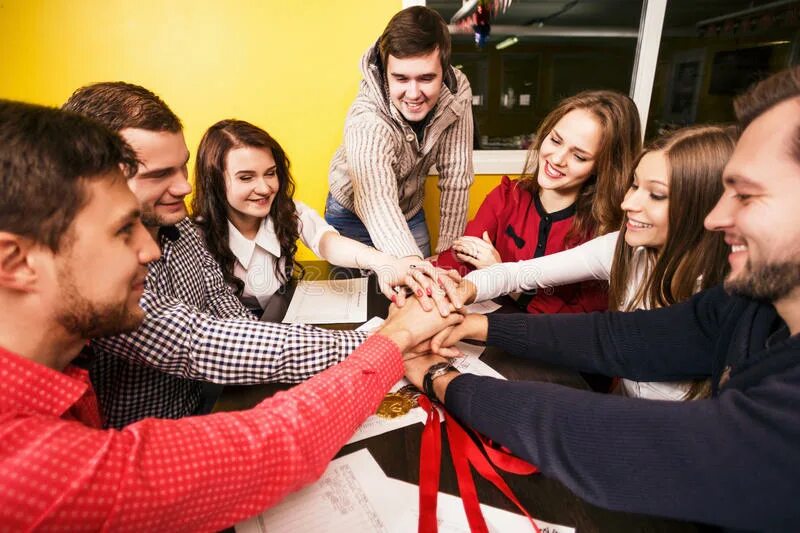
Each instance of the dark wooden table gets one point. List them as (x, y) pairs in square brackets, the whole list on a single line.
[(397, 452)]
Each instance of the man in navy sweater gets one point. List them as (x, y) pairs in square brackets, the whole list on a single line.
[(732, 460)]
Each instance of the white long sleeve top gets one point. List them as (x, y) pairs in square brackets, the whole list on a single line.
[(591, 260), (256, 258)]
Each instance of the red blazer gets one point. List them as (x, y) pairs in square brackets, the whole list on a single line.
[(521, 229)]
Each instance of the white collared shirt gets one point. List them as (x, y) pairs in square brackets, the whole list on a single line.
[(255, 259)]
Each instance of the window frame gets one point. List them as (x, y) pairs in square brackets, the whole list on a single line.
[(648, 42)]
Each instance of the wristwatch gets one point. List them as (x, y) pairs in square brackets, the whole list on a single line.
[(435, 371)]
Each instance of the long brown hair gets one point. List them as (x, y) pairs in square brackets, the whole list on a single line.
[(691, 258), (597, 208), (210, 204)]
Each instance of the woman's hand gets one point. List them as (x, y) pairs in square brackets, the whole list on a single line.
[(431, 285), (479, 253)]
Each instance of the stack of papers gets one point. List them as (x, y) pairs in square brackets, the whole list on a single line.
[(334, 301), (470, 363), (355, 495)]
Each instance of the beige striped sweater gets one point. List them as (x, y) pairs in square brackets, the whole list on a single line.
[(379, 170)]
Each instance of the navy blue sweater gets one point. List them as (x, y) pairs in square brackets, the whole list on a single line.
[(732, 460)]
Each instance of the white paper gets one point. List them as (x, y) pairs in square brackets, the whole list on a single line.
[(370, 325), (469, 364), (524, 99), (350, 497), (451, 517), (335, 301), (483, 308), (354, 495)]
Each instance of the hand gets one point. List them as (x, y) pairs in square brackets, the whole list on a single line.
[(479, 253), (467, 291), (431, 285), (410, 325), (474, 326), (417, 366)]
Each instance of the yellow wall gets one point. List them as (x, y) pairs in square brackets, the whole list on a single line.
[(289, 67), (482, 186)]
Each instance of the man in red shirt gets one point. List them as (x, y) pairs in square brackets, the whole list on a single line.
[(73, 256)]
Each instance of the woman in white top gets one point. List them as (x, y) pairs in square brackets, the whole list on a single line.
[(661, 256), (243, 204)]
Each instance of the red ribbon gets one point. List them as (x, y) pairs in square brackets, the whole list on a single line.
[(464, 452)]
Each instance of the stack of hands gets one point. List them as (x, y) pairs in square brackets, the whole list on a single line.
[(427, 325)]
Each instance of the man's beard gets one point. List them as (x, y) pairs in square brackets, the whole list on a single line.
[(150, 219), (770, 282), (87, 320)]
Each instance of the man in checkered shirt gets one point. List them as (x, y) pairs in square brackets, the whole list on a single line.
[(195, 330)]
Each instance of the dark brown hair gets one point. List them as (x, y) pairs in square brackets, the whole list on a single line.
[(766, 94), (46, 157), (691, 258), (210, 204), (416, 31), (597, 208), (121, 105)]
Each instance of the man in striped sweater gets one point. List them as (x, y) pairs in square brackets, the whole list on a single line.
[(413, 110)]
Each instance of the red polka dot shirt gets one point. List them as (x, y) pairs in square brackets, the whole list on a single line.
[(59, 471)]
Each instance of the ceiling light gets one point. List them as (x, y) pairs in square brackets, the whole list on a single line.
[(505, 43)]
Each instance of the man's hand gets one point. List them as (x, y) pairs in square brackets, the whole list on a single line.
[(479, 253), (417, 365), (410, 325), (474, 326)]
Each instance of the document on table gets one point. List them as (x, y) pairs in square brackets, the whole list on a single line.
[(452, 518), (354, 495), (470, 363), (335, 301), (483, 308), (349, 497)]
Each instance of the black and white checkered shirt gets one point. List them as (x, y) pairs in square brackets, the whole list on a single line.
[(196, 330)]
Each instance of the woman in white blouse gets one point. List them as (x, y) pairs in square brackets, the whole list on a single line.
[(661, 256), (243, 205)]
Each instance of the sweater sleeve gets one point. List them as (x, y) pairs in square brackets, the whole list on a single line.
[(730, 461), (371, 156), (589, 261), (454, 162), (640, 345), (198, 473)]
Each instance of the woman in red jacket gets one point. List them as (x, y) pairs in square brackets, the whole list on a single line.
[(570, 190)]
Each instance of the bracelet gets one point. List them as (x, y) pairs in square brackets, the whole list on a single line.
[(435, 371)]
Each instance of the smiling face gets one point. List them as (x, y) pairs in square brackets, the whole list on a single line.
[(99, 272), (568, 152), (161, 181), (415, 84), (646, 203), (251, 182), (758, 210)]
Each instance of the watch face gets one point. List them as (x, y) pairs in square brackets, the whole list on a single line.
[(437, 366)]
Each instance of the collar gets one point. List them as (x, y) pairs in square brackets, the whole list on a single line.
[(170, 233), (34, 388), (556, 215), (243, 248)]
